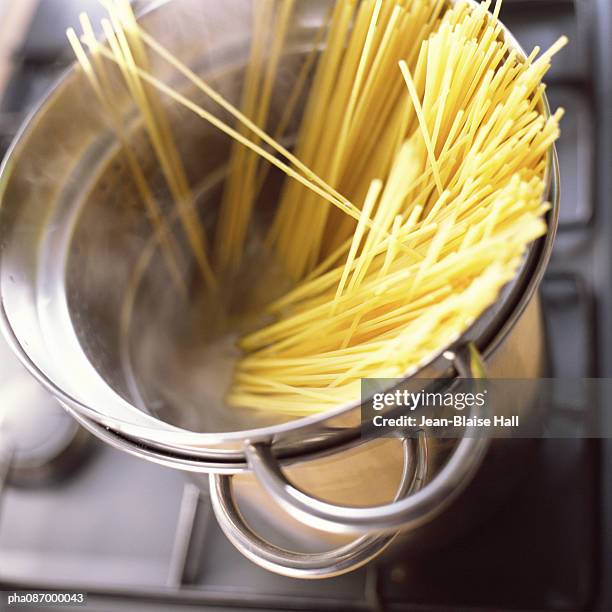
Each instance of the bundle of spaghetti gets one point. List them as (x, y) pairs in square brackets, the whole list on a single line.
[(462, 196), (412, 196)]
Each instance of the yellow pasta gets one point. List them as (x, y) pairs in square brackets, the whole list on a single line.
[(410, 198)]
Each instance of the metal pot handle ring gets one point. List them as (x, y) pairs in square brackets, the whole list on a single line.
[(326, 564), (411, 507)]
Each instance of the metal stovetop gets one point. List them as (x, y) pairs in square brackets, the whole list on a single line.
[(139, 536)]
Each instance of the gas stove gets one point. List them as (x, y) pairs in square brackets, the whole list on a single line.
[(137, 536)]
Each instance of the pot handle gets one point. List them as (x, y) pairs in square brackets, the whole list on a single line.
[(312, 565), (404, 513), (414, 504)]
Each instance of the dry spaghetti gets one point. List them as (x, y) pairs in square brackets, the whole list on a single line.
[(414, 189)]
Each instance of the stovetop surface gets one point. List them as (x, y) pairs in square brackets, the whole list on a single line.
[(139, 536)]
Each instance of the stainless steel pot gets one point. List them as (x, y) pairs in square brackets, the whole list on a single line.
[(86, 308)]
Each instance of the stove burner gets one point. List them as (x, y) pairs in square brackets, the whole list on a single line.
[(39, 442)]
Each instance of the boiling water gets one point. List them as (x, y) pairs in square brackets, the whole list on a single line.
[(178, 352)]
